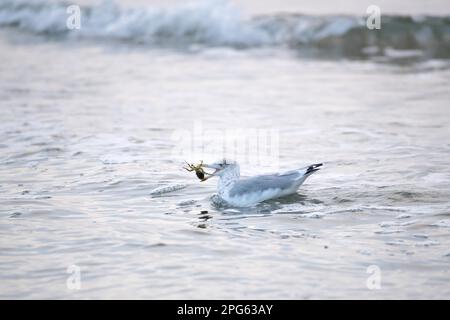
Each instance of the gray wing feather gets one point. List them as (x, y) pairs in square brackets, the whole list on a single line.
[(260, 183)]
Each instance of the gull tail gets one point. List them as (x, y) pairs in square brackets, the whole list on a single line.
[(312, 168)]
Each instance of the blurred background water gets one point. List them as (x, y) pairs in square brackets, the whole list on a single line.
[(88, 118)]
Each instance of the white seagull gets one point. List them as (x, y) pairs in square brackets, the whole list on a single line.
[(245, 192)]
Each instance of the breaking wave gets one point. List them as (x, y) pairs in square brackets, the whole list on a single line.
[(219, 23)]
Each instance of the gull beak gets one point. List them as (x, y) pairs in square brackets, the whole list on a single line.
[(211, 166)]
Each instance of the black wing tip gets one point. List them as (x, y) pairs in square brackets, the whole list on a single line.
[(313, 168)]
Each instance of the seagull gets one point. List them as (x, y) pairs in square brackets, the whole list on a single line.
[(246, 192)]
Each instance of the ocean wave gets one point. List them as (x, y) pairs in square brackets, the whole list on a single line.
[(220, 24)]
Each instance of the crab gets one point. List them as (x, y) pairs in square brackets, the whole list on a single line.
[(199, 172)]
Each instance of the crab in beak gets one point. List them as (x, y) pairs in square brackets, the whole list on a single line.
[(199, 172), (219, 169)]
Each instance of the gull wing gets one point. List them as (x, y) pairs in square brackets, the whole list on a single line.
[(285, 181)]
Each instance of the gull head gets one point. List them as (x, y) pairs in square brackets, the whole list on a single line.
[(224, 168)]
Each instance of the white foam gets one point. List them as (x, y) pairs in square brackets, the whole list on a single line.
[(167, 189)]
